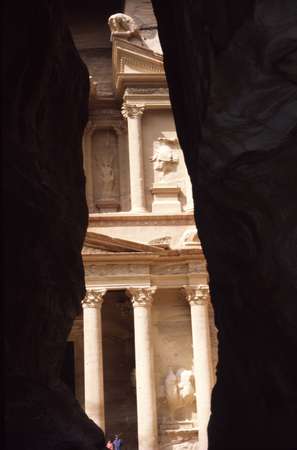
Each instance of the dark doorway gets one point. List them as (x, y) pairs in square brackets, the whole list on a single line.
[(119, 366)]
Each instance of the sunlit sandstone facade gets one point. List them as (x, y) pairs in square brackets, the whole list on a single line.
[(145, 347)]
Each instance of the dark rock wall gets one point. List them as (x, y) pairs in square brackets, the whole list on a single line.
[(232, 73), (44, 109)]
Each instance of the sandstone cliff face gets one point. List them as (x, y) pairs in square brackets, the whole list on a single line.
[(232, 73), (45, 90)]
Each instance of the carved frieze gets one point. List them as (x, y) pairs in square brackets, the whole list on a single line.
[(146, 91), (167, 269), (129, 63), (115, 269)]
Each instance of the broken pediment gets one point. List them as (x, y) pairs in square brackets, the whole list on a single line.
[(101, 243), (190, 239), (135, 66)]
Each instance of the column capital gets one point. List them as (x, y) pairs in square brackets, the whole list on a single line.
[(132, 111), (197, 295), (93, 298), (141, 296)]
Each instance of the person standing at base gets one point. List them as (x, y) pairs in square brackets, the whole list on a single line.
[(117, 443), (109, 445)]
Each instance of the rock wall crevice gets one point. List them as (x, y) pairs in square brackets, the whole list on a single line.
[(232, 81), (45, 89)]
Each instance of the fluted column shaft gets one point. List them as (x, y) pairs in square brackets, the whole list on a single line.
[(93, 360), (198, 299), (133, 114), (145, 375)]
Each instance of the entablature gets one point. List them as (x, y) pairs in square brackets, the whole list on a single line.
[(135, 66), (169, 268)]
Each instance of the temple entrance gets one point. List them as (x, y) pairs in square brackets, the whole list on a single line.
[(119, 368)]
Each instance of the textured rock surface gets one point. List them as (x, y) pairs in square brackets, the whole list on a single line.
[(232, 73), (142, 12), (45, 87)]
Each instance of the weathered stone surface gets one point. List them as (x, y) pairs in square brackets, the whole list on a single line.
[(142, 12), (45, 101), (232, 71)]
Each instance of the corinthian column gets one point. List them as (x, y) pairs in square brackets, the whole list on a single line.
[(93, 361), (198, 298), (142, 299), (133, 115)]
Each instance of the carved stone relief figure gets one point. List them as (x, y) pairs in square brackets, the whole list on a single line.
[(107, 176), (180, 394), (171, 390), (186, 391), (165, 158), (105, 170)]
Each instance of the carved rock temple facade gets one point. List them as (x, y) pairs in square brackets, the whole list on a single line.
[(142, 355)]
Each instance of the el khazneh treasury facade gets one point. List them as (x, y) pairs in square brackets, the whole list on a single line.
[(143, 354)]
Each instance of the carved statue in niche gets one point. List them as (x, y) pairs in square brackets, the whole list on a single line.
[(180, 394), (171, 391), (107, 177), (186, 390), (165, 158), (105, 171)]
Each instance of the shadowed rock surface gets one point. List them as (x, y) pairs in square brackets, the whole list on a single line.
[(45, 102), (232, 73)]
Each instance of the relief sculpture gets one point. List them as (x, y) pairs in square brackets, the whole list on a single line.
[(180, 394), (105, 171), (107, 176), (171, 391), (165, 158)]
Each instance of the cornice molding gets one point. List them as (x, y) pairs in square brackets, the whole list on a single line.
[(135, 66)]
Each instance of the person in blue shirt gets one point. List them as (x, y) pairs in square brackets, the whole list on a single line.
[(117, 443)]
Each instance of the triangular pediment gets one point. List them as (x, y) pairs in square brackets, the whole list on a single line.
[(135, 65), (102, 243)]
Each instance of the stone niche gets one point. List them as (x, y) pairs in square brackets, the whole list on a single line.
[(105, 170), (173, 370)]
